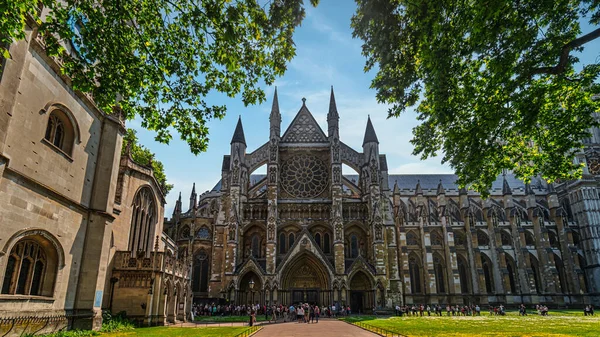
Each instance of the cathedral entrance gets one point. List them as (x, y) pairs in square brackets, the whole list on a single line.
[(361, 293), (305, 280)]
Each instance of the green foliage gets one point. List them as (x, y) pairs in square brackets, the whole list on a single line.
[(182, 332), (143, 156), (160, 59), (114, 323), (493, 82)]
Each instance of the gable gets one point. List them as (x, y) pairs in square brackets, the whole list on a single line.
[(304, 129)]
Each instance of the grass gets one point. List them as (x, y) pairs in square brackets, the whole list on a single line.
[(167, 331), (559, 323), (259, 318)]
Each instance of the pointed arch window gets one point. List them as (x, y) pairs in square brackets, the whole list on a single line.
[(464, 276), (200, 272), (291, 239), (256, 245), (318, 239), (326, 244), (60, 132), (282, 243), (29, 270), (353, 246), (415, 276), (143, 221), (440, 277)]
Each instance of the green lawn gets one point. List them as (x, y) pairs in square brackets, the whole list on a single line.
[(259, 318), (563, 323), (167, 331)]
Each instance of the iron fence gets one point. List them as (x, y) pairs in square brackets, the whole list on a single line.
[(378, 330), (249, 331)]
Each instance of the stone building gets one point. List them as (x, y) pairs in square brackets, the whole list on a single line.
[(81, 223), (306, 232)]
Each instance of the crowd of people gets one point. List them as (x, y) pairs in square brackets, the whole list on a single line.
[(438, 310), (310, 313)]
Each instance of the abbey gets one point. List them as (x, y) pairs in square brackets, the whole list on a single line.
[(304, 232)]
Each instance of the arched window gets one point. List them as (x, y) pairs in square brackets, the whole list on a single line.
[(464, 276), (562, 278), (553, 239), (326, 244), (511, 274), (415, 276), (353, 246), (440, 277), (185, 233), (59, 131), (200, 273), (436, 239), (30, 269), (318, 239), (487, 274), (291, 239), (506, 238), (143, 221), (529, 240), (282, 243), (411, 239), (256, 245), (482, 238)]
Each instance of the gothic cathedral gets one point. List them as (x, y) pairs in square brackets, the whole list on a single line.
[(304, 232)]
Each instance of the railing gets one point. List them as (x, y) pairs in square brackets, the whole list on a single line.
[(376, 329), (251, 330)]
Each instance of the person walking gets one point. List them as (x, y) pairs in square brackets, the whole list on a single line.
[(317, 313)]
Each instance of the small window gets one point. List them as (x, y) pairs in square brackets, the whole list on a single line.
[(59, 131), (282, 243), (326, 248), (291, 240), (318, 239)]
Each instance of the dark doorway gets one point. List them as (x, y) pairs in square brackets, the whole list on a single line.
[(356, 301), (310, 296)]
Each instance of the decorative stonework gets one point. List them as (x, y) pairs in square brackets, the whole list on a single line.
[(304, 176), (304, 129)]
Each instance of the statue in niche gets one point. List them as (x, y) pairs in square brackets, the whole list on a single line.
[(273, 175), (374, 173), (236, 171)]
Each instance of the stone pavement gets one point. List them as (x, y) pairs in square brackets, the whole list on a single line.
[(323, 328)]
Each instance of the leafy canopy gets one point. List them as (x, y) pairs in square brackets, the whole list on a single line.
[(145, 157), (494, 83), (159, 59)]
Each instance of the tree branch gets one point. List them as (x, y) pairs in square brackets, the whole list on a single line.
[(564, 55)]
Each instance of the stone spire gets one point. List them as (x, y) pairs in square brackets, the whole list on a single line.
[(370, 135), (238, 135), (418, 189), (440, 188), (396, 189), (193, 196), (275, 117), (332, 116), (505, 187), (529, 190)]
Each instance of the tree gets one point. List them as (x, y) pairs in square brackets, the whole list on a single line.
[(159, 59), (495, 83), (145, 157)]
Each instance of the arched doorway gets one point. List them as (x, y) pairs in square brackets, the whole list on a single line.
[(305, 280), (250, 289), (361, 293)]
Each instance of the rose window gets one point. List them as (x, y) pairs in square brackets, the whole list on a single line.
[(304, 176)]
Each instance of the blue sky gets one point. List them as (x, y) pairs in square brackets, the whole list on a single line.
[(326, 55)]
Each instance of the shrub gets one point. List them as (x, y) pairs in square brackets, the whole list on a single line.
[(113, 323)]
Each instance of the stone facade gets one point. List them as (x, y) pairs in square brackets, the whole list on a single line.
[(305, 232), (67, 203)]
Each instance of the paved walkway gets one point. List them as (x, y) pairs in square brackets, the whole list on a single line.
[(323, 328)]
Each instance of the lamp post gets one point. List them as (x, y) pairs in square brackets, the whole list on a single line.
[(251, 284)]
